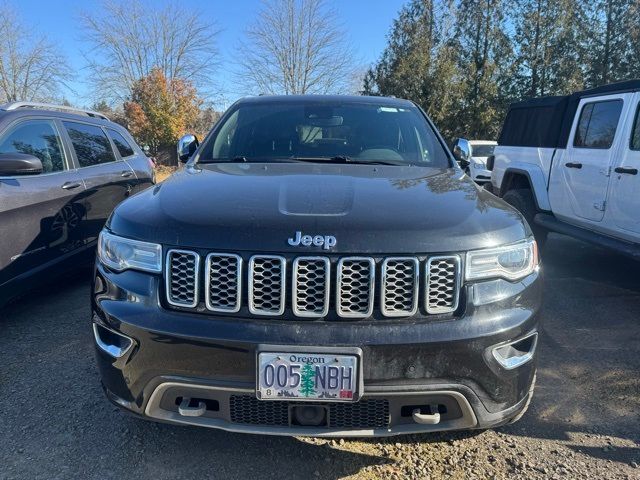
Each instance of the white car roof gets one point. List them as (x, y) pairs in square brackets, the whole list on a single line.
[(483, 142)]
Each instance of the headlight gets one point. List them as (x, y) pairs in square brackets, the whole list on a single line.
[(120, 253), (512, 262)]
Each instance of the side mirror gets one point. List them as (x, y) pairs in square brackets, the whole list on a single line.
[(462, 152), (187, 146), (19, 164)]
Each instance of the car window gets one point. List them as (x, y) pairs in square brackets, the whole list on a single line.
[(635, 134), (225, 136), (481, 150), (90, 143), (597, 124), (39, 138), (121, 143)]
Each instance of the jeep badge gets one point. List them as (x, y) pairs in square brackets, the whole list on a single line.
[(326, 241)]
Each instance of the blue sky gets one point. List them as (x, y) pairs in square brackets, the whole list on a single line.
[(367, 23)]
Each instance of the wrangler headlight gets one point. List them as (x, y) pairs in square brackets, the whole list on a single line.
[(511, 262), (120, 253)]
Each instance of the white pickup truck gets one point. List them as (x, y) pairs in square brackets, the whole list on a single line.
[(570, 164)]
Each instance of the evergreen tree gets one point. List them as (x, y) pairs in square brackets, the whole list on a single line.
[(307, 380), (611, 46), (485, 56), (549, 45), (465, 61), (419, 61)]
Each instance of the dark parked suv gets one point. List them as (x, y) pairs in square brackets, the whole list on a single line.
[(320, 267), (62, 172)]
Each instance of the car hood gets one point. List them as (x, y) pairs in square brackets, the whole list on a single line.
[(368, 209)]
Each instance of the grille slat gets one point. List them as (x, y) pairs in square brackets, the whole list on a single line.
[(399, 294), (182, 278), (443, 284), (310, 293), (354, 290), (310, 284), (223, 282), (267, 284)]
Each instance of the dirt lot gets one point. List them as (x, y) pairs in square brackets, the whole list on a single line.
[(584, 421)]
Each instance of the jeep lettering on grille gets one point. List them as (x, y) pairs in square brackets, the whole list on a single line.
[(324, 241)]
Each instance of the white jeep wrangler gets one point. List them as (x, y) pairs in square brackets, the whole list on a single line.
[(570, 164)]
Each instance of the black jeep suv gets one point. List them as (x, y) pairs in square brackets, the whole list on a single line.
[(320, 267)]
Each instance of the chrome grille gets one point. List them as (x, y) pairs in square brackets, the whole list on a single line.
[(266, 284), (399, 294), (443, 284), (310, 294), (310, 284), (182, 275), (354, 290), (223, 280)]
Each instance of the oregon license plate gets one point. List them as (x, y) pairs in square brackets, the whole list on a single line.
[(307, 376)]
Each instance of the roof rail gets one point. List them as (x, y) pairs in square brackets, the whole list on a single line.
[(49, 106)]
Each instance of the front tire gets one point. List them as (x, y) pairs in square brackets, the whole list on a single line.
[(522, 200)]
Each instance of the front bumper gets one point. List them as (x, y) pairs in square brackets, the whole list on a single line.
[(407, 364)]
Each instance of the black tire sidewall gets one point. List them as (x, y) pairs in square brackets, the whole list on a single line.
[(522, 200)]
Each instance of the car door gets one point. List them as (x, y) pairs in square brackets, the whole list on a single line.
[(107, 178), (625, 179), (40, 215), (586, 165), (128, 151)]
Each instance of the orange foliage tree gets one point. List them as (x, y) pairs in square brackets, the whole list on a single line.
[(161, 111)]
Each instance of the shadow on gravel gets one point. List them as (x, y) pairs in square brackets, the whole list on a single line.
[(421, 438), (189, 452), (589, 351)]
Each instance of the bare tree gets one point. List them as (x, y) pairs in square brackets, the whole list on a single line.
[(31, 68), (130, 38), (296, 47)]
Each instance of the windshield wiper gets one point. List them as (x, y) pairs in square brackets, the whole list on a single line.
[(347, 159)]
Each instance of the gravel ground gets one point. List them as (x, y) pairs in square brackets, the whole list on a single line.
[(584, 421)]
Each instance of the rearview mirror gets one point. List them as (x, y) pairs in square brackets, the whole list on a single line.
[(19, 164), (187, 146), (462, 152)]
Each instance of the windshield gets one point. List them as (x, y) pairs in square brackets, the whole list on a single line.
[(482, 150), (325, 131)]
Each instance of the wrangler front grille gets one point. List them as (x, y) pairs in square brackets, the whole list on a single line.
[(314, 286)]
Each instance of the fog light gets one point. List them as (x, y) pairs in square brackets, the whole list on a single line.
[(516, 353)]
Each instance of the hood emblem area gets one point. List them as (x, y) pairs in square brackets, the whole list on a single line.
[(326, 242)]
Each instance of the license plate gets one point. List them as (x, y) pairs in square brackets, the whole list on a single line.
[(307, 376)]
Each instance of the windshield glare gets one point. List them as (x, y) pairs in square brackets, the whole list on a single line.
[(322, 131)]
